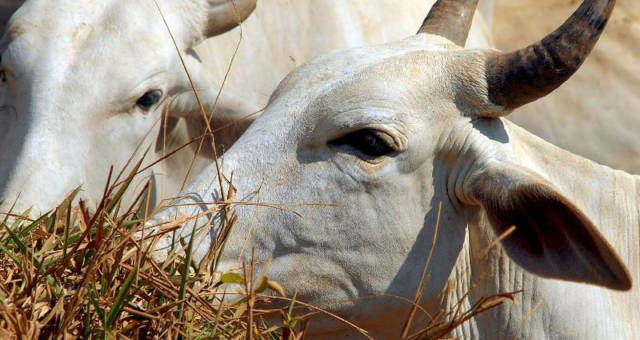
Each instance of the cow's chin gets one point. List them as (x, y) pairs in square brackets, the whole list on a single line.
[(337, 310), (378, 319)]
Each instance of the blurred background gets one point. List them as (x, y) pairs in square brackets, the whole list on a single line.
[(597, 112)]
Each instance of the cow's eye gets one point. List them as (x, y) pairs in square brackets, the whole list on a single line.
[(372, 143), (149, 99)]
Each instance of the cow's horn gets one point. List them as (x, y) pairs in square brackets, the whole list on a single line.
[(520, 77), (450, 19), (227, 14)]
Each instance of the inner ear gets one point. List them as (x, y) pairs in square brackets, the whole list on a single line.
[(168, 131), (225, 130), (230, 116), (552, 237)]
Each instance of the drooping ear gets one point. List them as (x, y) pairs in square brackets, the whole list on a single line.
[(222, 103), (224, 15), (229, 117), (552, 237)]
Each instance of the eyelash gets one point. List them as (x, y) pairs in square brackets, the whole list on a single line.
[(149, 99), (366, 141)]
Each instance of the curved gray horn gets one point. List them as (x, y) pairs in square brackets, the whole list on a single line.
[(520, 77), (227, 14), (450, 19)]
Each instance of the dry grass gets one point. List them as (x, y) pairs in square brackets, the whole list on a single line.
[(81, 273)]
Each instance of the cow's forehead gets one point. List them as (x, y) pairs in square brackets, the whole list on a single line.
[(70, 42), (46, 19), (390, 77)]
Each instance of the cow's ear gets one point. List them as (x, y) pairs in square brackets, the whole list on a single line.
[(229, 117), (227, 14), (215, 102), (552, 237)]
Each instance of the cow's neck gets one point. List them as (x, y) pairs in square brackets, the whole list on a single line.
[(551, 308)]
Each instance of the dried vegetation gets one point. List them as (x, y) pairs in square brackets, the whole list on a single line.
[(83, 273)]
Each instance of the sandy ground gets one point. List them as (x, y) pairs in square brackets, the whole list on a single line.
[(597, 112)]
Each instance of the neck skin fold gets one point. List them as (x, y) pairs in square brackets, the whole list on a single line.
[(551, 308)]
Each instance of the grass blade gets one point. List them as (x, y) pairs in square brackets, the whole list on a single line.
[(125, 184), (120, 299), (87, 323), (11, 255), (94, 302), (183, 283), (17, 241), (32, 225)]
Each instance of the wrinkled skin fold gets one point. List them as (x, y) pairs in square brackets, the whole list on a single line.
[(365, 145), (77, 69)]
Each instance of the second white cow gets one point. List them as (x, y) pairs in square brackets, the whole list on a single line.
[(85, 82)]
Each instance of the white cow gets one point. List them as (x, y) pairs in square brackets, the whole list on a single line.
[(365, 144), (86, 81), (83, 82)]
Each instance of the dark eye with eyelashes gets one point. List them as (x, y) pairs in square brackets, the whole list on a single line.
[(372, 143), (149, 99)]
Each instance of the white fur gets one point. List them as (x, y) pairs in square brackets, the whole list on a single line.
[(366, 227), (76, 69)]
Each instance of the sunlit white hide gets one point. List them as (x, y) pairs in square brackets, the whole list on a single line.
[(83, 85), (344, 173), (282, 34), (75, 71), (595, 113)]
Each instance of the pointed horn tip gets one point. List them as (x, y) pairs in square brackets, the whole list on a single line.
[(450, 19), (523, 76)]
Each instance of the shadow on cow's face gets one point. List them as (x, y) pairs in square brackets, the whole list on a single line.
[(362, 145), (84, 85), (361, 153), (370, 147), (380, 140)]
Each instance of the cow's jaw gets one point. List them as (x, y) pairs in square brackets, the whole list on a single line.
[(324, 236)]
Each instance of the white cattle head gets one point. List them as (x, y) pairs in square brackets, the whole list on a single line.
[(365, 144), (83, 83)]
